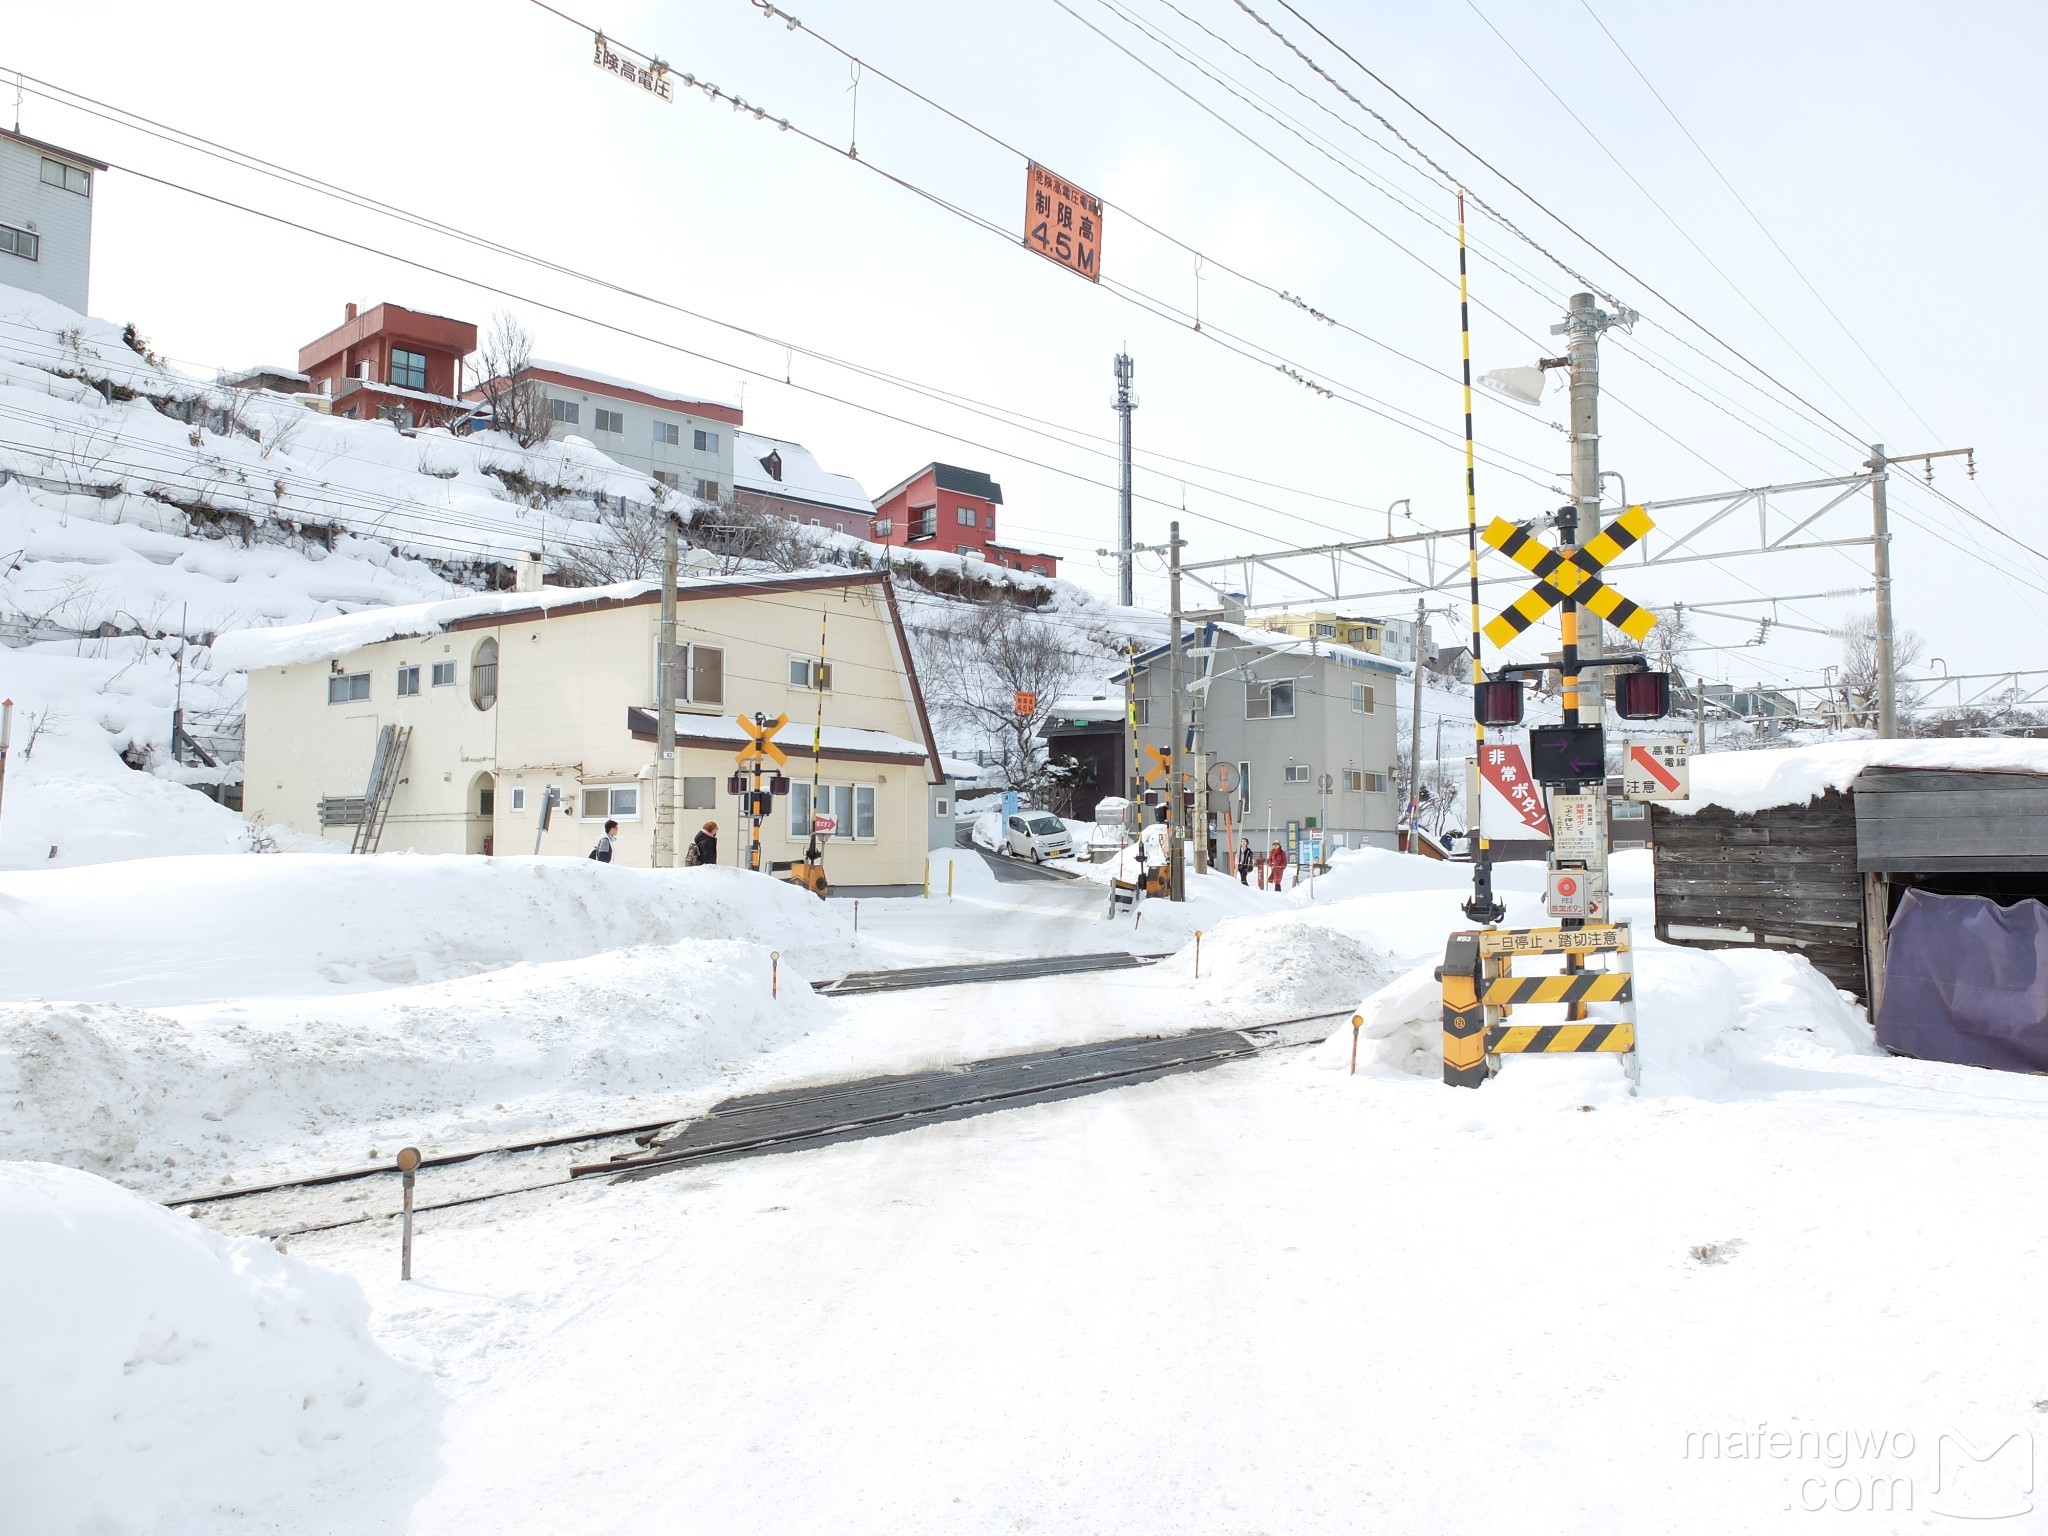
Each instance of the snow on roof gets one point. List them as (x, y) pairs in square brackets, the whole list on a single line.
[(803, 478), (1274, 640), (836, 739), (286, 645), (612, 380), (1758, 780), (267, 371)]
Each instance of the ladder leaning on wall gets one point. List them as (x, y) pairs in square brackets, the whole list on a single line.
[(385, 770)]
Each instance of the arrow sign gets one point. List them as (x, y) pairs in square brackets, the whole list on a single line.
[(761, 739), (1574, 576)]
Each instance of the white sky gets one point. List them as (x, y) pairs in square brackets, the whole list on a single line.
[(1889, 147)]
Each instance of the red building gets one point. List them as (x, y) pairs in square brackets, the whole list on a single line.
[(945, 507), (393, 363)]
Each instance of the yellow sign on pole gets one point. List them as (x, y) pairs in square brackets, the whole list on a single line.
[(1162, 762), (1062, 223), (761, 738), (1575, 576)]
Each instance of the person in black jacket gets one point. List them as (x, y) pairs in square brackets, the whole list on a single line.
[(603, 851), (704, 846), (1245, 861)]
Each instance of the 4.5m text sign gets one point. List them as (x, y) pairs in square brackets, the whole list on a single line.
[(1062, 223)]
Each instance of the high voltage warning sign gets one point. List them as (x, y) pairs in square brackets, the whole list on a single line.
[(1575, 576), (1062, 223)]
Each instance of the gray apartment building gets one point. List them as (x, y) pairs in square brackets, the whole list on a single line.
[(46, 219), (1307, 727), (684, 442)]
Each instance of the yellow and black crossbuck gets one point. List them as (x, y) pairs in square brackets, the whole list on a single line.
[(1575, 576)]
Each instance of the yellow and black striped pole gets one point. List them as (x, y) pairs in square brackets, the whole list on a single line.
[(1483, 907)]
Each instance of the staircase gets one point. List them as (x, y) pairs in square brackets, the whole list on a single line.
[(385, 770)]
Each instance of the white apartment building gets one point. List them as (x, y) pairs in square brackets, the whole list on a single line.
[(46, 219), (685, 443)]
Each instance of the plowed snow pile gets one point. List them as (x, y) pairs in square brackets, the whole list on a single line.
[(161, 1379)]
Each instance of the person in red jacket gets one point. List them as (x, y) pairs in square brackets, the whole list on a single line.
[(1276, 865)]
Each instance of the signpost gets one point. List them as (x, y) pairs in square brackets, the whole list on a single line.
[(1575, 827), (757, 799), (1657, 769), (1062, 223)]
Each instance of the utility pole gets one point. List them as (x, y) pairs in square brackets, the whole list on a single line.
[(665, 706), (1881, 565), (1583, 322), (1198, 756), (1415, 736), (1126, 403), (1176, 869)]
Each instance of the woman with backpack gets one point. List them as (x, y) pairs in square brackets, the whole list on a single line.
[(704, 846)]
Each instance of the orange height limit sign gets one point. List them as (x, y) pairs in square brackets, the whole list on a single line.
[(1062, 223)]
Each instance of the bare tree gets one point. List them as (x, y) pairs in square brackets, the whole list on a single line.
[(625, 544), (1673, 636), (976, 663), (745, 536), (516, 403), (1856, 678)]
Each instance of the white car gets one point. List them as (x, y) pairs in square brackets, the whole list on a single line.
[(1036, 836)]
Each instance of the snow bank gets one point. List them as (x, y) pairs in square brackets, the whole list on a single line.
[(1753, 781), (188, 930), (161, 1379)]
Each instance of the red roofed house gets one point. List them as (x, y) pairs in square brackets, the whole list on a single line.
[(945, 507), (393, 363)]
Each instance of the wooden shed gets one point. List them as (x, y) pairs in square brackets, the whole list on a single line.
[(1823, 873)]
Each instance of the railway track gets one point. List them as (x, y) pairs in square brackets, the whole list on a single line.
[(755, 1125)]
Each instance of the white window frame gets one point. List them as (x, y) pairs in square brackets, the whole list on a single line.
[(844, 798), (443, 675), (408, 682), (17, 238), (1362, 699), (1297, 773), (1262, 694), (967, 517), (707, 490), (608, 420), (810, 674), (702, 441), (518, 797), (668, 434), (613, 793), (347, 682), (66, 175), (567, 412), (884, 527)]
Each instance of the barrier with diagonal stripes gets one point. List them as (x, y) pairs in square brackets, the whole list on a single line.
[(1480, 991)]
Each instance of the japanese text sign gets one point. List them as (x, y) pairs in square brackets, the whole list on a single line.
[(1062, 223)]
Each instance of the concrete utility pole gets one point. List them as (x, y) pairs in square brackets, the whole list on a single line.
[(665, 706), (1881, 566), (1176, 865), (1415, 735), (1198, 758), (1126, 403), (1583, 322)]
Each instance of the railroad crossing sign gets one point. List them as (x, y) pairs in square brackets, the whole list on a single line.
[(761, 738), (1575, 576), (1162, 763)]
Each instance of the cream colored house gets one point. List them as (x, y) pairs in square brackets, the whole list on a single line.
[(507, 694)]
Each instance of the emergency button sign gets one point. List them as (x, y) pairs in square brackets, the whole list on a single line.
[(1062, 223)]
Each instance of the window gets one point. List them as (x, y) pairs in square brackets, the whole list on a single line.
[(57, 174), (807, 672), (851, 807), (610, 421), (700, 673), (1269, 701), (669, 478), (966, 516), (519, 797), (1329, 630), (408, 682), (1627, 810), (707, 490), (565, 411), (444, 674), (884, 526), (1368, 783), (408, 369), (942, 807), (348, 688), (19, 242), (924, 523), (705, 442), (1297, 773), (1141, 711), (1361, 698), (668, 432), (483, 674), (1355, 636), (1244, 783), (611, 802), (700, 794)]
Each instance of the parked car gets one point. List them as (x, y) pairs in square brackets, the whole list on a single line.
[(1036, 836)]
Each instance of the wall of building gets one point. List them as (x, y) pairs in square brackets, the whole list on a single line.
[(809, 513), (1325, 735), (682, 464), (61, 220), (564, 687)]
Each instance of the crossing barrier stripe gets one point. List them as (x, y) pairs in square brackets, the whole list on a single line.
[(1559, 1039), (1571, 987), (1575, 577)]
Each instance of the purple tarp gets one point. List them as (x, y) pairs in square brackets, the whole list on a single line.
[(1966, 980)]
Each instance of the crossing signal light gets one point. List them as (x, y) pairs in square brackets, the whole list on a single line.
[(1497, 703), (1643, 695)]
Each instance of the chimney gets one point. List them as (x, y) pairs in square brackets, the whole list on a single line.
[(527, 573), (348, 312)]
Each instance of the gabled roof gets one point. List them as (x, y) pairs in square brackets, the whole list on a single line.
[(802, 477), (52, 149)]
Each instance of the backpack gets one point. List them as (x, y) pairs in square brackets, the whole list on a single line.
[(690, 855)]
